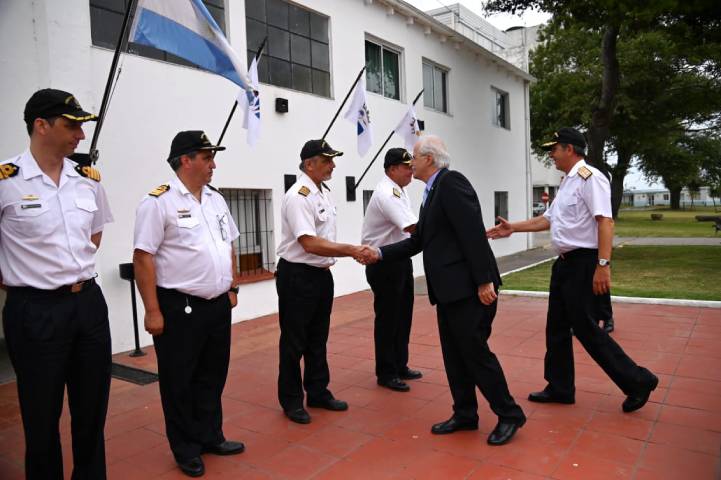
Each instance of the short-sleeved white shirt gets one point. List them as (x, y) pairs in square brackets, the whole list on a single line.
[(389, 212), (189, 240), (306, 210), (573, 212), (45, 228)]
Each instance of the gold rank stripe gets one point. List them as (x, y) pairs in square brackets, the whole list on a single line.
[(584, 173), (8, 170), (305, 191), (159, 190), (88, 172)]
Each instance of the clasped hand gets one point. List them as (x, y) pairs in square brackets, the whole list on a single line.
[(366, 255)]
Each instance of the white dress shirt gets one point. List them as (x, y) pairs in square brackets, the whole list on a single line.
[(389, 212), (306, 210), (45, 228), (573, 212), (191, 241)]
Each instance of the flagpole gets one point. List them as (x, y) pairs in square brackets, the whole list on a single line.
[(355, 187), (235, 104), (343, 103), (93, 153)]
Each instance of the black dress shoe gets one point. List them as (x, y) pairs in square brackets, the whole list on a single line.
[(299, 415), (545, 396), (504, 432), (608, 325), (634, 402), (329, 404), (193, 467), (453, 425), (409, 374), (394, 384), (228, 447)]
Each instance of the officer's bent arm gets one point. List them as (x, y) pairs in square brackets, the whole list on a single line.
[(325, 248), (144, 267), (605, 236), (535, 224), (95, 238)]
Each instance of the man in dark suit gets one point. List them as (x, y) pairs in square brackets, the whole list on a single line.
[(462, 279)]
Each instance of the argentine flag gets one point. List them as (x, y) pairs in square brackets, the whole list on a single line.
[(250, 102), (185, 28), (358, 113)]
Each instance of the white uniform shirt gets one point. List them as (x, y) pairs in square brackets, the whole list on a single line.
[(190, 240), (306, 210), (45, 228), (573, 212), (389, 212)]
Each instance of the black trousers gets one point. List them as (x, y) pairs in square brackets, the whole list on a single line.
[(193, 354), (464, 327), (392, 285), (605, 310), (305, 301), (572, 304), (57, 340)]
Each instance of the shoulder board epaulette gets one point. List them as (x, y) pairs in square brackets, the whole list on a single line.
[(396, 193), (305, 191), (8, 170), (214, 189), (324, 185), (159, 190), (88, 172), (584, 173)]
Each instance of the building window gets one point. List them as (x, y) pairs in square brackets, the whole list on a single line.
[(297, 55), (252, 211), (106, 19), (435, 87), (665, 196), (500, 206), (383, 75), (367, 194), (501, 110)]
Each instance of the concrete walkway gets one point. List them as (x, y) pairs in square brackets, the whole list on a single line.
[(667, 241)]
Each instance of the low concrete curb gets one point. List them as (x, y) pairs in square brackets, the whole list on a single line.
[(648, 301)]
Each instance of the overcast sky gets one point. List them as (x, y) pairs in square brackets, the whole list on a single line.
[(634, 179)]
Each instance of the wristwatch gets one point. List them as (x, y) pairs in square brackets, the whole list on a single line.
[(235, 290), (604, 262)]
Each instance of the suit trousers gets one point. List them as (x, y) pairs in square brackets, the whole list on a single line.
[(56, 340), (572, 304), (464, 328), (392, 285), (305, 301), (193, 354)]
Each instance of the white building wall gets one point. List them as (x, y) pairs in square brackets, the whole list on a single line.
[(154, 100)]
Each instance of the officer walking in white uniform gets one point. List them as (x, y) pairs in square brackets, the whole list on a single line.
[(305, 284), (389, 218), (52, 214), (184, 266), (582, 232)]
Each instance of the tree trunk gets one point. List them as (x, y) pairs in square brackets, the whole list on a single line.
[(618, 175), (675, 197), (602, 114)]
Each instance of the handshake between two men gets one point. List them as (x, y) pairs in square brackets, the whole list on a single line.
[(365, 254)]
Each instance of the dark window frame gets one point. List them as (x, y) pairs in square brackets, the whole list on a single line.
[(500, 205), (113, 8), (501, 108), (297, 58), (384, 48)]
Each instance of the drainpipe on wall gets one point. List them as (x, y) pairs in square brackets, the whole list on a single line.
[(529, 184)]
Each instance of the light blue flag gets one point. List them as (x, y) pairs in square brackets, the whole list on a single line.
[(185, 28)]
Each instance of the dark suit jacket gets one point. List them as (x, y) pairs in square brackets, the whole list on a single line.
[(456, 255)]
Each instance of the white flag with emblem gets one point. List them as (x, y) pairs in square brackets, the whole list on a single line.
[(358, 113), (250, 101), (408, 128)]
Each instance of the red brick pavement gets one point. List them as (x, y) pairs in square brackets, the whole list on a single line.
[(387, 434)]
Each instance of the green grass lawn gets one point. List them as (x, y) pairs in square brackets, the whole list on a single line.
[(675, 223), (688, 272)]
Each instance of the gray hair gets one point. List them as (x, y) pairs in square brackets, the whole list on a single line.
[(434, 146), (175, 162)]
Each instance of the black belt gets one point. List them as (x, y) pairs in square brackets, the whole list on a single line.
[(64, 290), (579, 253)]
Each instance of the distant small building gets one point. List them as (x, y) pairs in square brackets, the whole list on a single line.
[(662, 197)]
